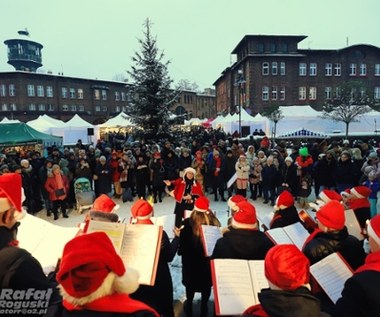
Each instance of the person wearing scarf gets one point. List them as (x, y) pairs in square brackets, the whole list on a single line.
[(57, 186), (184, 190), (19, 270), (216, 170), (360, 295)]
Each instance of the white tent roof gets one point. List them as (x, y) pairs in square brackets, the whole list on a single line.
[(121, 120), (44, 123), (6, 120), (298, 111), (77, 122)]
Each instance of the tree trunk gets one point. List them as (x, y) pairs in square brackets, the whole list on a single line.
[(347, 124)]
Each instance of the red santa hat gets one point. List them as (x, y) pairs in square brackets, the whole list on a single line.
[(284, 200), (90, 269), (202, 204), (245, 216), (142, 210), (361, 191), (287, 267), (104, 207), (233, 200), (327, 195), (373, 229), (10, 192), (332, 215)]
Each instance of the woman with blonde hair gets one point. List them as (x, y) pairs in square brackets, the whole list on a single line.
[(242, 168)]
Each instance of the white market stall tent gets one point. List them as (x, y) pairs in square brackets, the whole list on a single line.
[(121, 120)]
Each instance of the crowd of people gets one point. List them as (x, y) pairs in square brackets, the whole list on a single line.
[(91, 276)]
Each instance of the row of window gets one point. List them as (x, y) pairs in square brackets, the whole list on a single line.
[(276, 93), (66, 93), (65, 107), (330, 69)]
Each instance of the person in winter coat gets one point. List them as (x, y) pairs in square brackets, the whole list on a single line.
[(157, 175), (242, 168), (94, 281), (304, 162), (332, 236), (196, 269), (57, 185), (102, 177), (324, 170), (199, 165), (269, 180), (160, 295), (171, 165), (19, 270), (184, 160), (184, 190), (216, 169), (142, 176), (289, 179), (83, 169), (229, 170), (255, 179), (243, 240), (345, 172), (285, 212), (115, 172), (288, 274), (360, 295)]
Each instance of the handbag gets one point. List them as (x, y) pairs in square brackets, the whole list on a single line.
[(59, 192)]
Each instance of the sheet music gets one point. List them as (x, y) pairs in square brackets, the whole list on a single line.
[(140, 251), (167, 222), (114, 230), (297, 233), (234, 286), (265, 220), (352, 224), (210, 234), (279, 236), (259, 281), (331, 273)]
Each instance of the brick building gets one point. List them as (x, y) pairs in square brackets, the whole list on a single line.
[(271, 70)]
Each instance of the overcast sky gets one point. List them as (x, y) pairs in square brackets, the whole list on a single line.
[(97, 38)]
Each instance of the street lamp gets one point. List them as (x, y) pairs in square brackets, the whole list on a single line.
[(239, 83)]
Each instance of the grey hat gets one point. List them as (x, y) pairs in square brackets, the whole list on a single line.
[(372, 155), (102, 158)]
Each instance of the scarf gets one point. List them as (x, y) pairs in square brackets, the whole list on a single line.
[(59, 180), (218, 163), (372, 263), (8, 236)]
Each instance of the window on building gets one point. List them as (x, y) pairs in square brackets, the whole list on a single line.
[(282, 93), (64, 92), (50, 107), (274, 68), (12, 107), (72, 93), (104, 108), (73, 108), (363, 70), (328, 69), (40, 91), (104, 94), (302, 69), (265, 68), (96, 94), (284, 48), (302, 93), (117, 96), (65, 108), (273, 48), (32, 107), (41, 107), (31, 92), (49, 91), (260, 48), (81, 108), (118, 109), (336, 93), (337, 69), (328, 93), (313, 69), (12, 90), (4, 107), (97, 108), (80, 93), (265, 93), (3, 90), (352, 69), (312, 93), (274, 93), (377, 93), (377, 69), (123, 96), (282, 68)]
